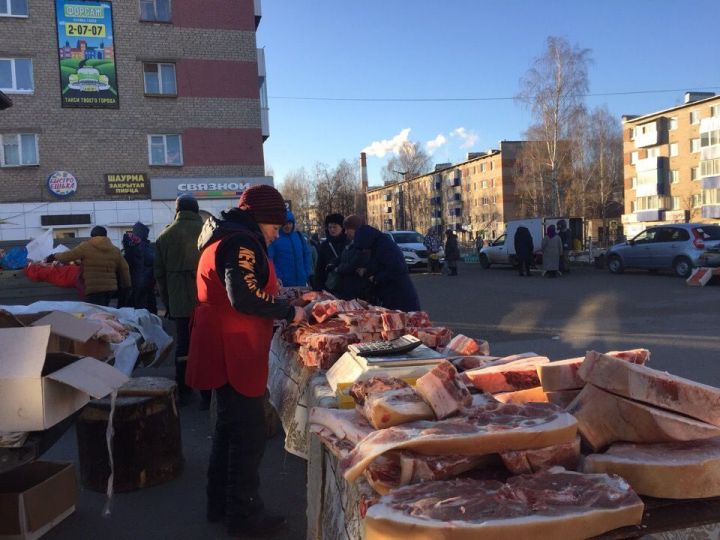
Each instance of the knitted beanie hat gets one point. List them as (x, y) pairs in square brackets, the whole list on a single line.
[(186, 202), (264, 203), (353, 222), (334, 218)]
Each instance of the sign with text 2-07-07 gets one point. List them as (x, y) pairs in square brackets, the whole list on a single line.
[(86, 52)]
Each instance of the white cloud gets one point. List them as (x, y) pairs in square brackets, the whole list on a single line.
[(436, 143), (468, 138), (380, 148)]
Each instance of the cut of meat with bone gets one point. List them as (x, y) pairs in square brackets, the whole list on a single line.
[(462, 345), (325, 309), (509, 377), (564, 374), (562, 398), (651, 386), (394, 407), (565, 455), (383, 474), (393, 320), (418, 319), (464, 363), (531, 395), (443, 390), (315, 358), (335, 445), (680, 470), (416, 468), (342, 423), (482, 430), (434, 336), (544, 506), (362, 389), (604, 418)]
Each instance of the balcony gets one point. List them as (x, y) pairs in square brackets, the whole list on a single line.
[(264, 108), (456, 197), (456, 212), (711, 211), (649, 215), (388, 210), (257, 5), (710, 182), (388, 197), (648, 134), (436, 201), (651, 164)]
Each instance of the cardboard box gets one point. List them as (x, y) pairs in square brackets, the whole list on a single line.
[(35, 497), (70, 334), (39, 388)]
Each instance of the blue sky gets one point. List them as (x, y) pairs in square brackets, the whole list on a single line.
[(460, 49)]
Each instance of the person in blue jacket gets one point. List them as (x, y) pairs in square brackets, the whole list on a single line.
[(291, 255), (387, 270)]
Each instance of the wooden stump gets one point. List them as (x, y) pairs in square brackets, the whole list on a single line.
[(147, 448)]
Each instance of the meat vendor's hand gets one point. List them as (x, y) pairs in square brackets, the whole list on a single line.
[(299, 315)]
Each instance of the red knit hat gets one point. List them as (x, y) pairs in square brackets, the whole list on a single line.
[(264, 203)]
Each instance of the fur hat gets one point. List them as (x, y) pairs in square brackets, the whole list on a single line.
[(265, 204), (334, 218)]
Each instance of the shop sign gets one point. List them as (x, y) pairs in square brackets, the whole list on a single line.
[(62, 184), (164, 189), (126, 184), (86, 54)]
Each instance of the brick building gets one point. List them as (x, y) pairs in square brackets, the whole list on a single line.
[(475, 197), (119, 107), (672, 164)]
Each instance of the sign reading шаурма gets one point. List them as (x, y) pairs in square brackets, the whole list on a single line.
[(126, 184)]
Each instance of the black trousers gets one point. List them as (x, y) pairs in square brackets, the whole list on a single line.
[(100, 298), (237, 449), (524, 265), (182, 345)]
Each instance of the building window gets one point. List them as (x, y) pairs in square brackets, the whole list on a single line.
[(672, 124), (633, 182), (632, 207), (694, 117), (697, 200), (165, 149), (160, 79), (694, 173), (674, 176), (673, 149), (18, 149), (653, 152), (16, 75), (676, 203), (715, 110), (694, 145), (484, 184), (633, 158), (155, 10), (13, 8)]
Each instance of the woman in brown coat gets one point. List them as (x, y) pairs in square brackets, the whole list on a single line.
[(104, 267)]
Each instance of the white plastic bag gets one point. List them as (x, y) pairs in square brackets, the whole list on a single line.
[(39, 248)]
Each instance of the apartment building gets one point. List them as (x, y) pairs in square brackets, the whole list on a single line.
[(672, 164), (119, 107), (475, 197)]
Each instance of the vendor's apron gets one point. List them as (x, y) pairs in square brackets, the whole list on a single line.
[(227, 346)]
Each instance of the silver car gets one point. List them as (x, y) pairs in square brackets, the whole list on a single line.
[(678, 247)]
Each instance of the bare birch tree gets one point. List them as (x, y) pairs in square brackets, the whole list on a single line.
[(553, 90), (410, 161), (335, 188), (297, 188)]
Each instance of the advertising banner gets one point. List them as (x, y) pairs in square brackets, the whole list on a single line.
[(126, 184), (86, 52)]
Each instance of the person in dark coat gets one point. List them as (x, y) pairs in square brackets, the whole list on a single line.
[(329, 253), (524, 249), (452, 252), (386, 269), (351, 271), (566, 238), (433, 243), (232, 327), (140, 256)]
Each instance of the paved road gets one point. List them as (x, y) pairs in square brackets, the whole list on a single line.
[(559, 318)]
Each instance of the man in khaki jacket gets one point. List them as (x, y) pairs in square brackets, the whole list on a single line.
[(104, 267)]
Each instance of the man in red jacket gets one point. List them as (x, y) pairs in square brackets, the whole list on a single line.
[(229, 347)]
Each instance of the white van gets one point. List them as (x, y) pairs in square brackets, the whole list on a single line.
[(502, 249)]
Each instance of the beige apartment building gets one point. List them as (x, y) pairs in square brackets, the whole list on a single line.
[(119, 107), (672, 164), (475, 197)]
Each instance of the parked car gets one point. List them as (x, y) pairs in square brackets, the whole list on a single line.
[(412, 247), (678, 247)]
